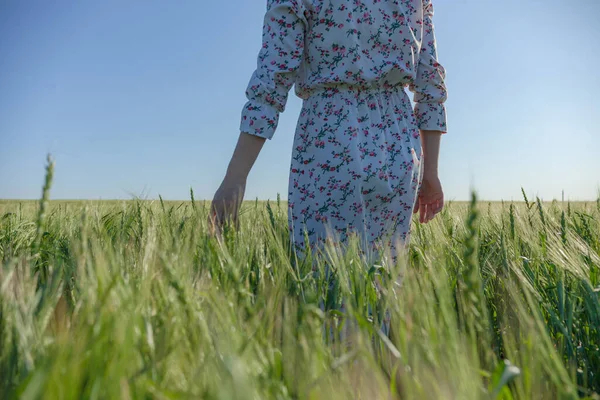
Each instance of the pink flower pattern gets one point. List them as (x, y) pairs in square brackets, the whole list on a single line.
[(356, 158)]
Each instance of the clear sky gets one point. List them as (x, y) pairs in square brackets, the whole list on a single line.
[(143, 97)]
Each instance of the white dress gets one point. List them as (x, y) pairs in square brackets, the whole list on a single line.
[(355, 165)]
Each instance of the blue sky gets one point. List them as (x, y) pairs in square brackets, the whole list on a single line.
[(143, 97)]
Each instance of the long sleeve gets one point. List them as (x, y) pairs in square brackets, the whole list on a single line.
[(278, 63), (429, 87)]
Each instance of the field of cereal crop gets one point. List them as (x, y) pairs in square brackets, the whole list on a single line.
[(135, 299)]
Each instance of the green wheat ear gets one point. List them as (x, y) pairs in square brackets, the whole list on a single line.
[(525, 198), (512, 221), (470, 254), (41, 217), (162, 204), (541, 211), (563, 228), (472, 294), (192, 198), (271, 215)]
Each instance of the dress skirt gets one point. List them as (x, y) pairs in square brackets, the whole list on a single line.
[(355, 169)]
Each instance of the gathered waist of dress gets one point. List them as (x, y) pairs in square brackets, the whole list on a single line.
[(326, 91)]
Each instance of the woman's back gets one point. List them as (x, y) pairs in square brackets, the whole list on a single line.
[(319, 44), (361, 43)]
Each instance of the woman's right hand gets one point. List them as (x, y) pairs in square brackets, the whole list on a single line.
[(430, 198), (226, 203)]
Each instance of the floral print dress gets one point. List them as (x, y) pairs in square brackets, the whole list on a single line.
[(355, 165)]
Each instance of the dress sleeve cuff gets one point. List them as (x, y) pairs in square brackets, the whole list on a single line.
[(259, 120), (431, 117)]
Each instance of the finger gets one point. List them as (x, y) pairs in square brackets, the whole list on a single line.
[(438, 207), (416, 210), (216, 229), (434, 210), (430, 211), (213, 225), (220, 218), (211, 218), (216, 222), (234, 215), (236, 219), (423, 214), (230, 215)]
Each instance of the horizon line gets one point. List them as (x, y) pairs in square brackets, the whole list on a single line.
[(275, 199)]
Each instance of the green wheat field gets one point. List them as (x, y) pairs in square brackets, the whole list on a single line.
[(137, 300)]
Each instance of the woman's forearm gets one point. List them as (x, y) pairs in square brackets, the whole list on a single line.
[(430, 141), (246, 152)]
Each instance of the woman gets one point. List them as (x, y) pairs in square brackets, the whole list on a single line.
[(361, 153)]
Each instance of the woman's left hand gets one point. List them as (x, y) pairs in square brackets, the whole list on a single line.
[(431, 198)]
